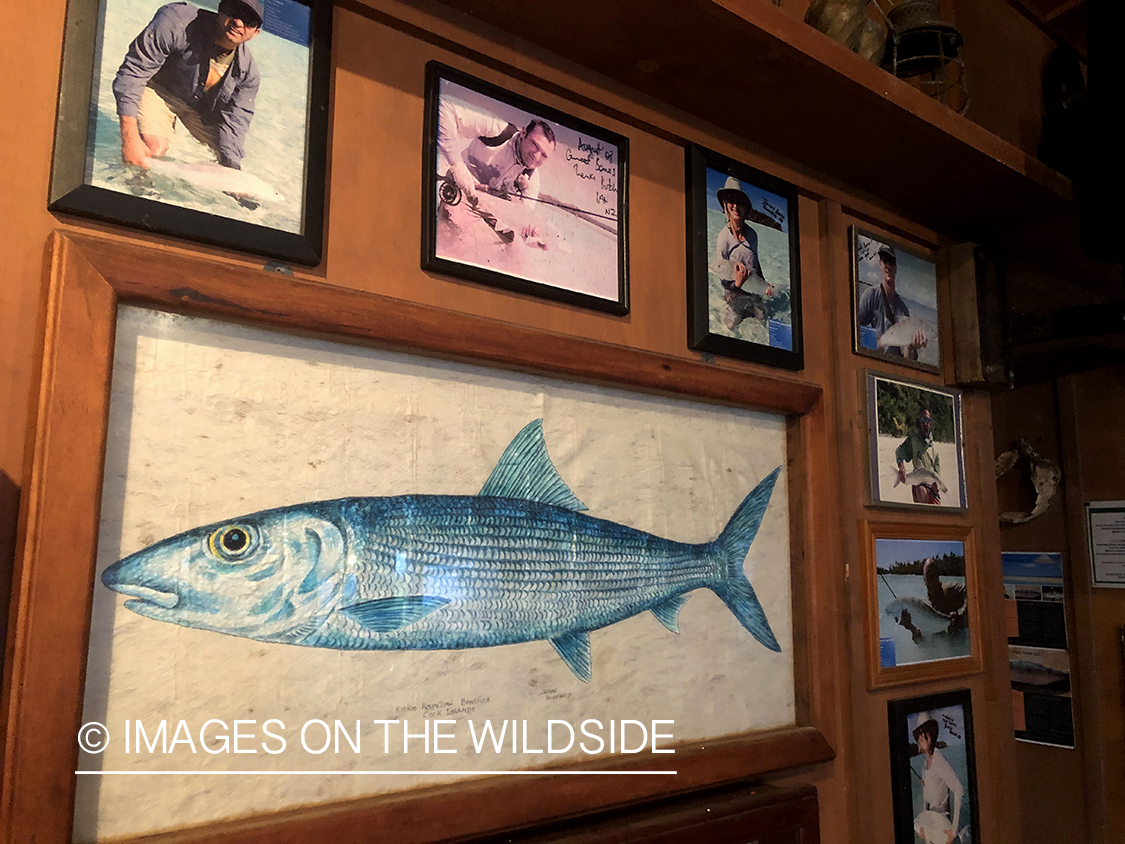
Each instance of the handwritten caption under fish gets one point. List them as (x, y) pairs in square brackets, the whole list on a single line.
[(518, 562)]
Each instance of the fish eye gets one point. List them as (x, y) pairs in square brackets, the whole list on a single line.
[(233, 543)]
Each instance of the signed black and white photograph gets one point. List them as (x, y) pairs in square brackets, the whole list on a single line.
[(522, 196), (895, 302), (917, 459), (206, 119)]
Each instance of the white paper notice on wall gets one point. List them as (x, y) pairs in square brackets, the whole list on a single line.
[(1105, 523)]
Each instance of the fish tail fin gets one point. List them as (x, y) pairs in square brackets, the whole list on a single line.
[(734, 543)]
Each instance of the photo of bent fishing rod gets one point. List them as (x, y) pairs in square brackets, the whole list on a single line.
[(451, 194)]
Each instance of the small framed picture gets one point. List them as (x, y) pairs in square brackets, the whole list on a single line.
[(206, 120), (933, 769), (522, 196), (894, 302), (916, 453), (922, 618), (744, 289)]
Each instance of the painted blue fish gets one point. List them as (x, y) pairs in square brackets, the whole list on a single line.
[(516, 563)]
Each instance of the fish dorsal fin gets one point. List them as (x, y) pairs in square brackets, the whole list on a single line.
[(668, 613), (574, 648), (386, 614), (525, 471)]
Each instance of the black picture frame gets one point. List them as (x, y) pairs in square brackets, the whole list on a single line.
[(76, 189), (471, 239), (952, 712), (716, 313), (905, 400), (917, 275)]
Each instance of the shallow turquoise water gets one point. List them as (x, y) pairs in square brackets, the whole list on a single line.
[(907, 651), (773, 253), (274, 145)]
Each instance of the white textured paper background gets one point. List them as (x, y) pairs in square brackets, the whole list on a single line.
[(210, 421)]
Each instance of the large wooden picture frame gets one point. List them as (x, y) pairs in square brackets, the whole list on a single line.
[(908, 638), (270, 203), (54, 582)]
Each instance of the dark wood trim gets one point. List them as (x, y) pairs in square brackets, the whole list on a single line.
[(209, 288)]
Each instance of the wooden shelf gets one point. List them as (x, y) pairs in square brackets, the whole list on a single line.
[(751, 69)]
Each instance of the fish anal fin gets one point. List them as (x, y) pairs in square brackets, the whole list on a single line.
[(525, 471), (574, 648), (386, 614), (668, 612)]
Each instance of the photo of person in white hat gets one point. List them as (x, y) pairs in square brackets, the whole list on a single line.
[(939, 822), (749, 269), (736, 257)]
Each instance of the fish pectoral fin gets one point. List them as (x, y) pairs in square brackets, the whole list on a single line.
[(385, 614), (574, 648), (668, 613), (525, 470), (242, 199)]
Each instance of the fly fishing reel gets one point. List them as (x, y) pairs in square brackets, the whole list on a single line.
[(449, 191)]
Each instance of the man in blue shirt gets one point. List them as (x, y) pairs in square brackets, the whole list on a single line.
[(194, 66)]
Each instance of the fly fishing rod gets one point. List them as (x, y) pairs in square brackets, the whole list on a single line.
[(452, 194)]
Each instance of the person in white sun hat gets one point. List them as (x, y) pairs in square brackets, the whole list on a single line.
[(738, 266)]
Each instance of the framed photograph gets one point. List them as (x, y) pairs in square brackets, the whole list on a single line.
[(522, 196), (206, 120), (744, 275), (915, 448), (339, 439), (933, 769), (922, 618), (894, 302)]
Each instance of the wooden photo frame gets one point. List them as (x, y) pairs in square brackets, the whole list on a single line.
[(933, 768), (523, 196), (249, 173), (919, 426), (752, 313), (895, 308), (55, 579), (921, 605)]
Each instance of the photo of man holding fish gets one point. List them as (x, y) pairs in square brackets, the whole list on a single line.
[(915, 444), (895, 295), (204, 106)]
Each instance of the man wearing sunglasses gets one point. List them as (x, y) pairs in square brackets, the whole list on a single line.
[(192, 66)]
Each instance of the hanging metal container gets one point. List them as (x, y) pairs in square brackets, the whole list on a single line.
[(925, 52)]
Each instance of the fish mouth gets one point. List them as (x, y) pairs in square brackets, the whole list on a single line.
[(145, 596)]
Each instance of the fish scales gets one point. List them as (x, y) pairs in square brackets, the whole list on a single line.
[(577, 566), (515, 563)]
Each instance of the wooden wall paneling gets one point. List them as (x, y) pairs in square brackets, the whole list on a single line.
[(1051, 781), (1092, 427), (992, 710), (43, 699), (872, 785), (815, 457)]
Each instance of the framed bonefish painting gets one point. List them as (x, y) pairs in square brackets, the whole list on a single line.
[(385, 536), (393, 573)]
